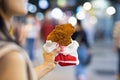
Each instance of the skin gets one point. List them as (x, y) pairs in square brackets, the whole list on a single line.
[(12, 65)]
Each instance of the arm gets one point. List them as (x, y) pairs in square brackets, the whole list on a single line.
[(48, 64), (13, 67), (116, 41), (116, 35)]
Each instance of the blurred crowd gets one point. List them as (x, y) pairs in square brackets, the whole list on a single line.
[(91, 21)]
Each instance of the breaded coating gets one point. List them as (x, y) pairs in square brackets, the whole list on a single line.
[(62, 34)]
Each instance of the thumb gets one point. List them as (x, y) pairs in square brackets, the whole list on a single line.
[(55, 51)]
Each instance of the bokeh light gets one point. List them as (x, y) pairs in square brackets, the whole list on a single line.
[(57, 13), (61, 3), (43, 4), (93, 20), (72, 20), (111, 10), (39, 16), (87, 5), (80, 15), (32, 8)]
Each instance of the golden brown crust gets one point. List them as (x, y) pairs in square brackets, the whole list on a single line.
[(62, 34)]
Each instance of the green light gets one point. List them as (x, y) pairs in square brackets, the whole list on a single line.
[(61, 3)]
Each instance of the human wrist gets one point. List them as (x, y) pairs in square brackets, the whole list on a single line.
[(49, 66)]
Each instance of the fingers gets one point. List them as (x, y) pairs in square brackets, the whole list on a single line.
[(55, 51)]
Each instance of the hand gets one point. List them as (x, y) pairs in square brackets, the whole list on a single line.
[(49, 58)]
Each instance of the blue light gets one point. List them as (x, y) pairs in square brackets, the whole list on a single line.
[(43, 4), (39, 16), (32, 8)]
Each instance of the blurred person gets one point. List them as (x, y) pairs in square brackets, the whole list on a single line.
[(22, 35), (47, 27), (38, 25), (116, 39), (17, 30), (17, 24), (83, 51), (14, 62), (89, 24), (31, 34)]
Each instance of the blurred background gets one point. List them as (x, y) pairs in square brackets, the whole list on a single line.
[(97, 18)]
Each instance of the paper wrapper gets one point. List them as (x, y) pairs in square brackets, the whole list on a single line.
[(67, 55)]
